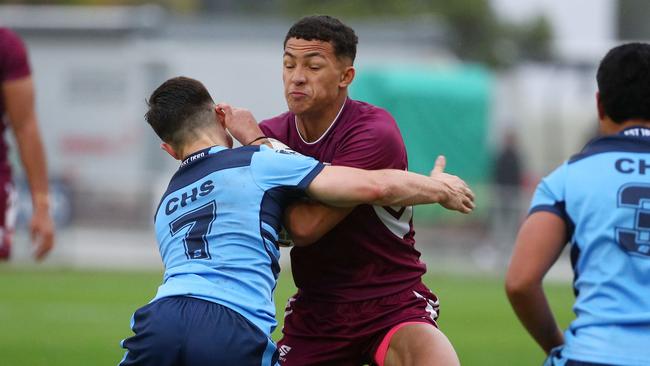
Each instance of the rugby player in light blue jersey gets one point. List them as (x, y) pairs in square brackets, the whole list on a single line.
[(599, 201), (217, 229)]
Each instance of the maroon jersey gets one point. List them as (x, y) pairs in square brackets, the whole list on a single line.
[(371, 253), (13, 65)]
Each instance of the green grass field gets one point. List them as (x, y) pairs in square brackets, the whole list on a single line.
[(71, 317)]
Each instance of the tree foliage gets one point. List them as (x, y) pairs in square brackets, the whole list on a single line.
[(476, 33)]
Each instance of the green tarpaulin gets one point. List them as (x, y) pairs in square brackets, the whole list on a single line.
[(439, 110)]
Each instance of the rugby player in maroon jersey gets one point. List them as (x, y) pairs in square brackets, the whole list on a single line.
[(360, 294), (17, 111)]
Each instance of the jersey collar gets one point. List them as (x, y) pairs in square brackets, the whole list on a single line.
[(295, 123), (199, 155), (632, 139), (636, 131)]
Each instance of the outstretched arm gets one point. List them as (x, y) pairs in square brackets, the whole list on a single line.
[(539, 244), (342, 188), (19, 100), (346, 187)]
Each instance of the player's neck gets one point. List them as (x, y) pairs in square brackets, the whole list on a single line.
[(609, 127), (203, 142), (313, 125)]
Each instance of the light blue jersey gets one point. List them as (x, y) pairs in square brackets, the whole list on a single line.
[(603, 195), (217, 226)]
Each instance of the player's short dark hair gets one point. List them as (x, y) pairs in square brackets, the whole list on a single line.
[(177, 107), (327, 29), (624, 82)]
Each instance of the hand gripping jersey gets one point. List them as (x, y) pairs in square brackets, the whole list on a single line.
[(371, 253), (218, 222), (603, 194)]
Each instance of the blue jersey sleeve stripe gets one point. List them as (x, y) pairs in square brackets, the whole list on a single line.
[(304, 183), (547, 208), (559, 209), (575, 256), (269, 229), (273, 203), (268, 236), (268, 242)]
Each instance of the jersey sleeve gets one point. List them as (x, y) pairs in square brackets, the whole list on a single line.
[(276, 127), (283, 168), (550, 195), (374, 144), (267, 130), (14, 63)]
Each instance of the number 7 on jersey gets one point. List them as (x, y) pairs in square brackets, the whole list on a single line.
[(199, 222)]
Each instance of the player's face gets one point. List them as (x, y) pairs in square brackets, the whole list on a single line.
[(313, 76)]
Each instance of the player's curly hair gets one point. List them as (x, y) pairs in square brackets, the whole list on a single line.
[(327, 29), (177, 107), (624, 82)]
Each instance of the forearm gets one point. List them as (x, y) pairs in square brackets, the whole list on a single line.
[(348, 187), (402, 188), (32, 156), (532, 309), (308, 221), (19, 105)]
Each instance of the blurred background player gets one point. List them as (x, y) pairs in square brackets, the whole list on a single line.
[(599, 201), (17, 111), (217, 226), (507, 211), (360, 295)]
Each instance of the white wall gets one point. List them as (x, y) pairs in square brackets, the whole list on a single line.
[(582, 28)]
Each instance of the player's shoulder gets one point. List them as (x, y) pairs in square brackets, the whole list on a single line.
[(278, 157), (557, 176), (11, 42), (13, 56), (368, 121), (276, 149), (364, 112), (612, 143), (7, 34), (279, 122), (278, 165), (278, 126)]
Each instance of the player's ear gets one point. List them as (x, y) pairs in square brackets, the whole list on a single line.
[(347, 76), (221, 116), (170, 150)]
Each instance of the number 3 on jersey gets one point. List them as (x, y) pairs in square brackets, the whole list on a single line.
[(199, 222), (637, 240)]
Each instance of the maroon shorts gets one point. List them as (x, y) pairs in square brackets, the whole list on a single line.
[(348, 334)]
